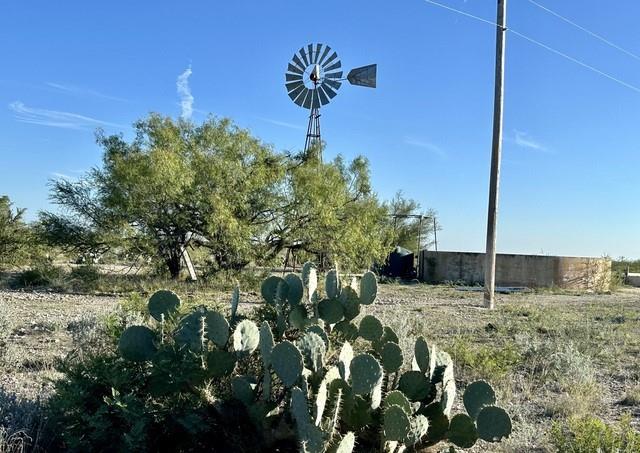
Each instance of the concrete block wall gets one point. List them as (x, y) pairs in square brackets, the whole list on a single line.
[(633, 279), (533, 271)]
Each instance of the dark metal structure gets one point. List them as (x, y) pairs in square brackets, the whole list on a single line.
[(313, 78)]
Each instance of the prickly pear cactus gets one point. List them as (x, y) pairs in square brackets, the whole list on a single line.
[(317, 372), (137, 344), (287, 362), (246, 337), (163, 304)]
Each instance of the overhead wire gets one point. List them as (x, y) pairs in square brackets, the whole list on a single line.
[(586, 30), (575, 60), (540, 44)]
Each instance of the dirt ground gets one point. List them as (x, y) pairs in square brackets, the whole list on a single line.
[(550, 356)]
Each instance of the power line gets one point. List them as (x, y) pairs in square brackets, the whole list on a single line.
[(586, 30), (461, 12), (576, 61), (542, 45)]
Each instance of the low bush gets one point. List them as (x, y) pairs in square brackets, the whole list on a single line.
[(305, 376), (590, 434), (84, 278), (41, 275), (485, 361)]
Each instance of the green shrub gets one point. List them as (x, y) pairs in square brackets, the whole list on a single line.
[(305, 376), (590, 434), (41, 275), (84, 278), (484, 361)]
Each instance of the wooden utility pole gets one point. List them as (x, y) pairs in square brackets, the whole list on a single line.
[(496, 151)]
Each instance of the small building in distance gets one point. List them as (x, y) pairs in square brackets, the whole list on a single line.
[(532, 271)]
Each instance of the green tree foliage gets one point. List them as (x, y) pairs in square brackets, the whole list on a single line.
[(408, 230), (175, 179), (241, 199), (15, 235), (329, 211)]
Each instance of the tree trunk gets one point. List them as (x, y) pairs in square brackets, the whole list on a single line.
[(174, 264)]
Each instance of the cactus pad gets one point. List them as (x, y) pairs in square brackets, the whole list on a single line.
[(366, 374), (397, 398), (163, 303), (298, 317), (235, 300), (296, 290), (477, 395), (462, 431), (438, 422), (414, 385), (315, 328), (370, 328), (493, 424), (306, 273), (286, 361), (189, 333), (396, 424), (418, 429), (313, 350), (368, 288), (389, 335), (350, 303), (391, 356), (274, 290), (344, 360), (217, 328), (266, 343), (242, 389), (330, 310), (321, 402), (299, 406), (309, 435), (220, 363), (332, 284), (448, 396), (310, 280), (346, 444), (356, 412), (246, 337), (136, 344), (421, 354)]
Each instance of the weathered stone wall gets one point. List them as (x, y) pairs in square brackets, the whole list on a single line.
[(533, 271)]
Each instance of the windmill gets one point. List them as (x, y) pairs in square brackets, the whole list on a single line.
[(313, 78)]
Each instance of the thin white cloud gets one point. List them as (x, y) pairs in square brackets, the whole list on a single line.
[(57, 175), (184, 91), (281, 123), (524, 140), (435, 149), (55, 118), (79, 91)]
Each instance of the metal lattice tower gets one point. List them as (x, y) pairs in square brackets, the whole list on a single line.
[(313, 132), (313, 78)]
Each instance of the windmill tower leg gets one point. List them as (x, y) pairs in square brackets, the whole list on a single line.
[(313, 133)]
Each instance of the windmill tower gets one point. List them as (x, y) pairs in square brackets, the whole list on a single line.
[(313, 78)]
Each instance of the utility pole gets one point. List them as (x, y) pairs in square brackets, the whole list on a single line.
[(496, 151), (435, 232)]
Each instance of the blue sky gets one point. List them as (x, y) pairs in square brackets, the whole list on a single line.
[(572, 141)]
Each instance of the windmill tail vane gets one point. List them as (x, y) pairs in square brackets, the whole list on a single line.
[(313, 78)]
